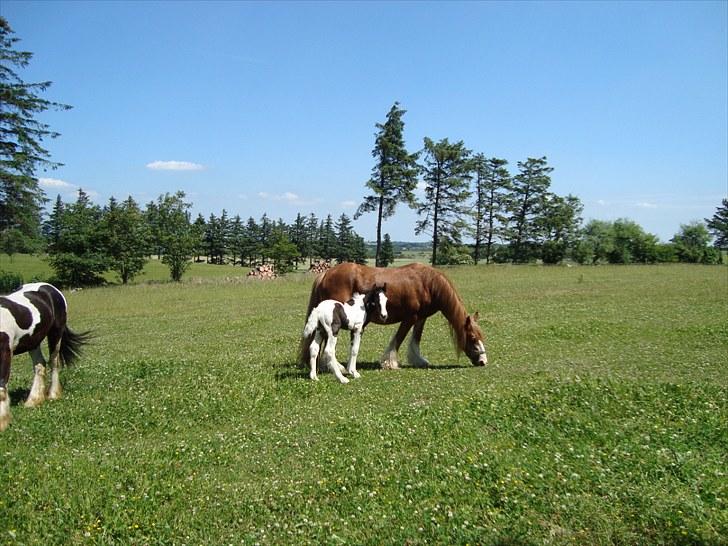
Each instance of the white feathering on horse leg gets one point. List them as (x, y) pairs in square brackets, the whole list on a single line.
[(389, 360), (55, 390), (414, 356), (4, 409), (37, 391)]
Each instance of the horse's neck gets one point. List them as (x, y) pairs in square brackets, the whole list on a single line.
[(449, 303)]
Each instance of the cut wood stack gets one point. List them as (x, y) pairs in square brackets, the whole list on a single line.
[(319, 266), (263, 272)]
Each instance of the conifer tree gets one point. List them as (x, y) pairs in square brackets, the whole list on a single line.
[(22, 154), (394, 175), (447, 172)]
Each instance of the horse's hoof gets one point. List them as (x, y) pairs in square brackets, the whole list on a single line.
[(33, 402), (344, 380)]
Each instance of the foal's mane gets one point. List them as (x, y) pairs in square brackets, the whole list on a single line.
[(447, 298)]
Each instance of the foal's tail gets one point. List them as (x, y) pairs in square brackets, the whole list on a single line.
[(71, 344), (304, 347), (311, 324)]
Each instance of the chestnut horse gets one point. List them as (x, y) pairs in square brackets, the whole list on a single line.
[(414, 293)]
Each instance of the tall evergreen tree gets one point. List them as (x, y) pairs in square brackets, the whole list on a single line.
[(394, 175), (447, 172), (718, 225), (344, 239), (530, 187), (492, 190), (21, 150), (327, 239), (387, 251)]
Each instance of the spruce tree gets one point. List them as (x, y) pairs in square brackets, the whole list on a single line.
[(21, 152), (718, 225), (394, 175), (492, 190)]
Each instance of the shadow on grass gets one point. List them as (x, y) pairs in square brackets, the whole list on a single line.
[(294, 370), (18, 395)]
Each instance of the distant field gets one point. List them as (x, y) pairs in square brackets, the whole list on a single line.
[(602, 418)]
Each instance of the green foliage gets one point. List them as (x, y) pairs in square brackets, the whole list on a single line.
[(9, 281), (394, 175), (492, 195), (601, 419), (530, 191), (21, 150), (387, 252), (691, 244), (176, 236), (127, 238), (447, 170), (78, 254), (718, 225)]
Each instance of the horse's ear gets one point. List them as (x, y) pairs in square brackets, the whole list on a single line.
[(476, 316)]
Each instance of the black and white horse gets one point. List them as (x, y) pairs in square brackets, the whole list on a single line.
[(28, 316), (331, 316)]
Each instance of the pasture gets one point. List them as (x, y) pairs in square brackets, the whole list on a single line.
[(602, 418)]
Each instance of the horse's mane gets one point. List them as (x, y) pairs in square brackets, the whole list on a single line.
[(444, 293)]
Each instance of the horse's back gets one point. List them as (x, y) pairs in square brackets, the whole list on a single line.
[(30, 313)]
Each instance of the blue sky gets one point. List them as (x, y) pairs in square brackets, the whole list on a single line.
[(271, 107)]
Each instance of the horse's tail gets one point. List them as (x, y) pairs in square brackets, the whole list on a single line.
[(71, 344), (313, 301)]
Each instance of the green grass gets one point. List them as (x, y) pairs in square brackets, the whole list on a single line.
[(601, 419)]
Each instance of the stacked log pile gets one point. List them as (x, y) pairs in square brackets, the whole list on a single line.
[(319, 266), (263, 272)]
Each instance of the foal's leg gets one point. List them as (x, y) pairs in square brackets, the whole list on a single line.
[(5, 356), (414, 356), (37, 392), (354, 352), (331, 354), (313, 354), (54, 348), (389, 360)]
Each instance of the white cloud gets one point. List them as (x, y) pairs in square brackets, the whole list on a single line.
[(646, 205), (55, 183), (287, 196), (174, 166)]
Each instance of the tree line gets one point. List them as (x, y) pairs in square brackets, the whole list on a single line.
[(85, 240)]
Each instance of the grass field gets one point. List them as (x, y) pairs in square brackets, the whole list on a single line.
[(602, 418)]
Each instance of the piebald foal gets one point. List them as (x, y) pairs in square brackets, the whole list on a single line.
[(330, 316)]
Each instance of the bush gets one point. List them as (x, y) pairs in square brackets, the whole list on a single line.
[(9, 282)]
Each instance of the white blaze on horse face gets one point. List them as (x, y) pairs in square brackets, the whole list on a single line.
[(483, 358), (383, 305)]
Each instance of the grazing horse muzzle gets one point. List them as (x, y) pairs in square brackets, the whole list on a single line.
[(478, 356)]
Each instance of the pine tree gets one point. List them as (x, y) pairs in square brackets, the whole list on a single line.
[(447, 172), (126, 238), (394, 175), (387, 256), (344, 239), (718, 225), (492, 190), (21, 152), (530, 187)]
